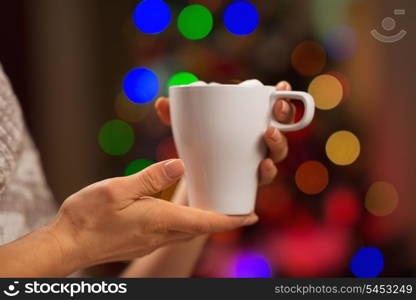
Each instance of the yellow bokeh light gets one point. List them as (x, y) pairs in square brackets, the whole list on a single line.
[(342, 148), (130, 111), (326, 91), (381, 199)]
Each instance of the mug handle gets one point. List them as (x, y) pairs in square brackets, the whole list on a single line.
[(307, 117)]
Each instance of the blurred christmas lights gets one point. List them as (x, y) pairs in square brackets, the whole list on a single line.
[(340, 43), (311, 177), (137, 165), (346, 88), (342, 207), (326, 91), (368, 262), (308, 58), (251, 265), (166, 149), (308, 251), (182, 78), (141, 85), (195, 22), (241, 17), (342, 148), (152, 16), (381, 198), (116, 137)]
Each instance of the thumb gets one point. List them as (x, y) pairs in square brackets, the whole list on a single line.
[(155, 178)]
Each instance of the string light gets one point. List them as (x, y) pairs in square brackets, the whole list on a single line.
[(152, 16), (326, 91), (311, 177), (308, 58), (241, 18), (116, 137), (381, 198), (195, 22), (342, 148)]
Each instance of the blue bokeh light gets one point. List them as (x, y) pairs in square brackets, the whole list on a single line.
[(368, 262), (152, 16), (141, 85), (340, 43), (251, 265), (241, 17)]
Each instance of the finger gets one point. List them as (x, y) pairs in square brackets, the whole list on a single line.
[(154, 178), (268, 171), (180, 196), (163, 110), (283, 110), (277, 144), (197, 221)]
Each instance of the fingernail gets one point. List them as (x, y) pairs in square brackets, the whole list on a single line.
[(269, 165), (250, 220), (273, 134), (174, 168)]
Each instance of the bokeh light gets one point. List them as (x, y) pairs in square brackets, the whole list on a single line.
[(311, 177), (195, 22), (116, 137), (274, 202), (340, 43), (342, 207), (141, 85), (368, 262), (182, 78), (342, 148), (381, 198), (241, 17), (166, 149), (251, 265), (137, 165), (130, 111), (346, 87), (308, 251), (152, 16), (308, 58), (326, 90)]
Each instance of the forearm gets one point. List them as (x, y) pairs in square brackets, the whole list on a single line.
[(37, 254), (175, 260)]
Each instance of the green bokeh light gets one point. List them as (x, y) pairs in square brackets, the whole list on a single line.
[(195, 22), (137, 165), (182, 78), (116, 137)]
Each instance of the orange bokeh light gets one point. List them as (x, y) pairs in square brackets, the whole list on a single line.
[(311, 177), (308, 58)]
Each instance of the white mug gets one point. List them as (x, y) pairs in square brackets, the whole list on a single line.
[(218, 132)]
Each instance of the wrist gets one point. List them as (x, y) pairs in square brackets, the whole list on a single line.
[(69, 255)]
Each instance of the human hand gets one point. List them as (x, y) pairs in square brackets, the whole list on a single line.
[(283, 111), (118, 219)]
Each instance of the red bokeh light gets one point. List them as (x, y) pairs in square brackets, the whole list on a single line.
[(273, 203), (342, 207), (166, 149), (309, 251)]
